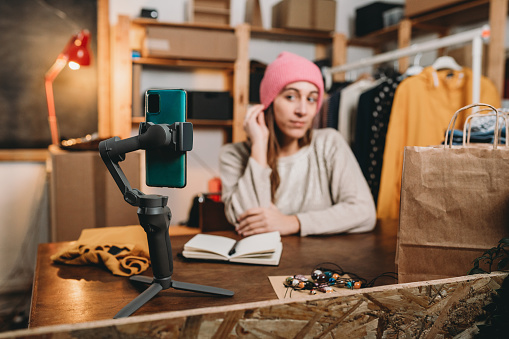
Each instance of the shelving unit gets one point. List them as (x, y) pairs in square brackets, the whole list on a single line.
[(441, 21), (128, 35)]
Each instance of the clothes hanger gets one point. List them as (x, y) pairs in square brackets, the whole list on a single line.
[(446, 62), (416, 68)]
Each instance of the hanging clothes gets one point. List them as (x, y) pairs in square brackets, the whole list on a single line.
[(331, 119), (373, 114), (422, 108), (348, 107)]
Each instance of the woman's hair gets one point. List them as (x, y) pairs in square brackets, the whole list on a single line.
[(273, 147)]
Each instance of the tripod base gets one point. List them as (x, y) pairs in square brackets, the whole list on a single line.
[(157, 285)]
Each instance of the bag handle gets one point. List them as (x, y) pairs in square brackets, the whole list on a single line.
[(452, 123)]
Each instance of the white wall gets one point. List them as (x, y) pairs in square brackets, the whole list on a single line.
[(24, 221)]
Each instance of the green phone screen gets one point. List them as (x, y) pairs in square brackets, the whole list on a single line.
[(165, 167)]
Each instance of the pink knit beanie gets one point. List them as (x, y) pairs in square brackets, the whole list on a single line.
[(288, 68)]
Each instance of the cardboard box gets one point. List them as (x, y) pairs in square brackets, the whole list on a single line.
[(84, 195), (317, 15), (370, 18), (417, 7), (190, 43), (209, 105), (211, 11)]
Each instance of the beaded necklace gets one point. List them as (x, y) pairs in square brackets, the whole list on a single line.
[(326, 275)]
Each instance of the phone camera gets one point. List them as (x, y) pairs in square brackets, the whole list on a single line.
[(153, 103)]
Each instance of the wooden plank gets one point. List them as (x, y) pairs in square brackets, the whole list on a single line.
[(121, 80), (184, 63), (339, 54), (192, 25), (241, 82), (496, 49), (291, 35), (445, 307), (39, 155), (404, 38), (103, 69)]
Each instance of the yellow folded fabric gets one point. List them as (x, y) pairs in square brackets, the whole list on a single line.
[(122, 250)]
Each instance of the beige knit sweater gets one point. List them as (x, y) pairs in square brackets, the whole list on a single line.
[(321, 184)]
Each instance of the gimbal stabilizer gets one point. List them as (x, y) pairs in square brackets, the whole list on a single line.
[(153, 213)]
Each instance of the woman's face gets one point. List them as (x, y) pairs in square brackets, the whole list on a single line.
[(294, 109)]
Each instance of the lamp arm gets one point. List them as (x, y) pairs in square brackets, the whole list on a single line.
[(151, 136), (50, 76)]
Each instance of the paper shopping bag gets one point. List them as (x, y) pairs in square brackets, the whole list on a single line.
[(454, 206)]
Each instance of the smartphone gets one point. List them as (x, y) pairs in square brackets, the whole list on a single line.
[(165, 167)]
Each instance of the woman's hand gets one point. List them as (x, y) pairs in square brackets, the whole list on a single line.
[(261, 220), (257, 132)]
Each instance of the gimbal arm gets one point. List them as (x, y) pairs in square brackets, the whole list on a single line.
[(178, 135)]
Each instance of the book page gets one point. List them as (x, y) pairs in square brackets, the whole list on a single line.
[(258, 243), (210, 243), (271, 258)]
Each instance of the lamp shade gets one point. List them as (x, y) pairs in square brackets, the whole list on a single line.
[(77, 49)]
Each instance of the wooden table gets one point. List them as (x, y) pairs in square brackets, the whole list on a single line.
[(73, 294)]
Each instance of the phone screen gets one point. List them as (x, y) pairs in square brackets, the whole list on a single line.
[(165, 167)]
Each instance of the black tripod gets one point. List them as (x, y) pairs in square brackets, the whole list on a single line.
[(153, 213)]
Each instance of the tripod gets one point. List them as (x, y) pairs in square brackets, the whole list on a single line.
[(153, 213)]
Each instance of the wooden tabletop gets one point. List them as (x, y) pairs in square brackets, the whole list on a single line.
[(65, 294)]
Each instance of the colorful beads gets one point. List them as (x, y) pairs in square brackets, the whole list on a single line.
[(322, 281)]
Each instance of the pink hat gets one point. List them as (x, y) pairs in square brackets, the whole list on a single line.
[(288, 68)]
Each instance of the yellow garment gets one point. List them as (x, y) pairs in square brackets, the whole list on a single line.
[(123, 250), (422, 108)]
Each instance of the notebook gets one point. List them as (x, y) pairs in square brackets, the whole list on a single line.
[(259, 249)]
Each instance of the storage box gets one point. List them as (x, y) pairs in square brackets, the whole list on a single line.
[(84, 195), (210, 11), (370, 18), (190, 43), (317, 15), (209, 105), (417, 7)]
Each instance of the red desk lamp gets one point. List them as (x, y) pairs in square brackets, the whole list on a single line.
[(75, 53)]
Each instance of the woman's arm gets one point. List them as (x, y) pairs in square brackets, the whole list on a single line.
[(353, 208), (245, 183)]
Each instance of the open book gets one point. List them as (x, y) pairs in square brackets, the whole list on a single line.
[(259, 249)]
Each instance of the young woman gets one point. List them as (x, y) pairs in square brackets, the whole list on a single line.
[(288, 177)]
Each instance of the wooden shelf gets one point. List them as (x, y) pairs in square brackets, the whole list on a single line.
[(460, 14), (194, 25), (129, 35), (377, 38), (196, 122), (435, 22), (291, 35), (440, 21), (37, 154), (183, 63), (212, 10)]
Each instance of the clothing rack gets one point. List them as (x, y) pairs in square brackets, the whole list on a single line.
[(476, 36)]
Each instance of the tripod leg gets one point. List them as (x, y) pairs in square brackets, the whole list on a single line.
[(139, 301), (142, 279), (200, 288)]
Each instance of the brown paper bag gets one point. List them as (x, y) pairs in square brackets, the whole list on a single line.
[(454, 205)]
